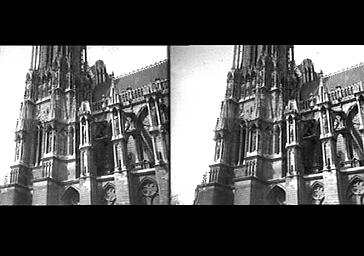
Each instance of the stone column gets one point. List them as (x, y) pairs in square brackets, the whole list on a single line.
[(157, 110)]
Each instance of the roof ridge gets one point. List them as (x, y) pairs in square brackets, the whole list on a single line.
[(142, 69), (344, 70)]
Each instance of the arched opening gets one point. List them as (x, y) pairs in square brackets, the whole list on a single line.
[(253, 138), (277, 137), (109, 194), (218, 147), (276, 196), (317, 194), (49, 139), (148, 192), (356, 191), (71, 135), (311, 152), (71, 197)]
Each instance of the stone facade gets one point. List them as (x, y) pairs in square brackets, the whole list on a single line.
[(86, 137), (286, 134)]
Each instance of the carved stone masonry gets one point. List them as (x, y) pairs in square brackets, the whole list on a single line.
[(149, 190), (318, 194), (110, 195), (357, 190)]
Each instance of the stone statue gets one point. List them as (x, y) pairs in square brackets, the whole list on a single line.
[(325, 123), (291, 129)]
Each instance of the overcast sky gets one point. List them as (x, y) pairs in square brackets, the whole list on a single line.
[(15, 62), (198, 79)]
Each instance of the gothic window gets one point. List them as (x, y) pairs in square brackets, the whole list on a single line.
[(269, 140), (17, 148), (277, 141), (276, 196), (54, 139), (218, 148), (148, 192), (317, 194), (83, 162), (49, 140), (341, 148), (110, 195), (356, 191), (253, 140), (40, 143), (117, 156), (71, 141), (71, 197), (222, 149)]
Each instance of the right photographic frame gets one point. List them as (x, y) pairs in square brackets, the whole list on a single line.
[(267, 124)]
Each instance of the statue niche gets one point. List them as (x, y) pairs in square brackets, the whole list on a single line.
[(311, 153)]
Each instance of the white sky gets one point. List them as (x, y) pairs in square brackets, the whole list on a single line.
[(198, 82), (15, 62)]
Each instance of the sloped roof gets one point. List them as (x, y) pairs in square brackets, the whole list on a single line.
[(342, 78), (346, 77), (134, 80), (137, 79)]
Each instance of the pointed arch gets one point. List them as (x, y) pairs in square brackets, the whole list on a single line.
[(109, 194), (148, 192), (230, 76), (277, 138), (71, 196), (276, 195), (48, 145), (355, 190), (317, 193)]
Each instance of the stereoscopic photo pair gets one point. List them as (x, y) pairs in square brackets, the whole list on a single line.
[(182, 125)]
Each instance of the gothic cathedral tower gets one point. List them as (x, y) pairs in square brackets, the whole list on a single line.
[(250, 132), (86, 137), (47, 131)]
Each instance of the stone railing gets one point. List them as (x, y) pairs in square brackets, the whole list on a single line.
[(340, 93), (99, 105), (307, 104), (334, 96), (137, 95)]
